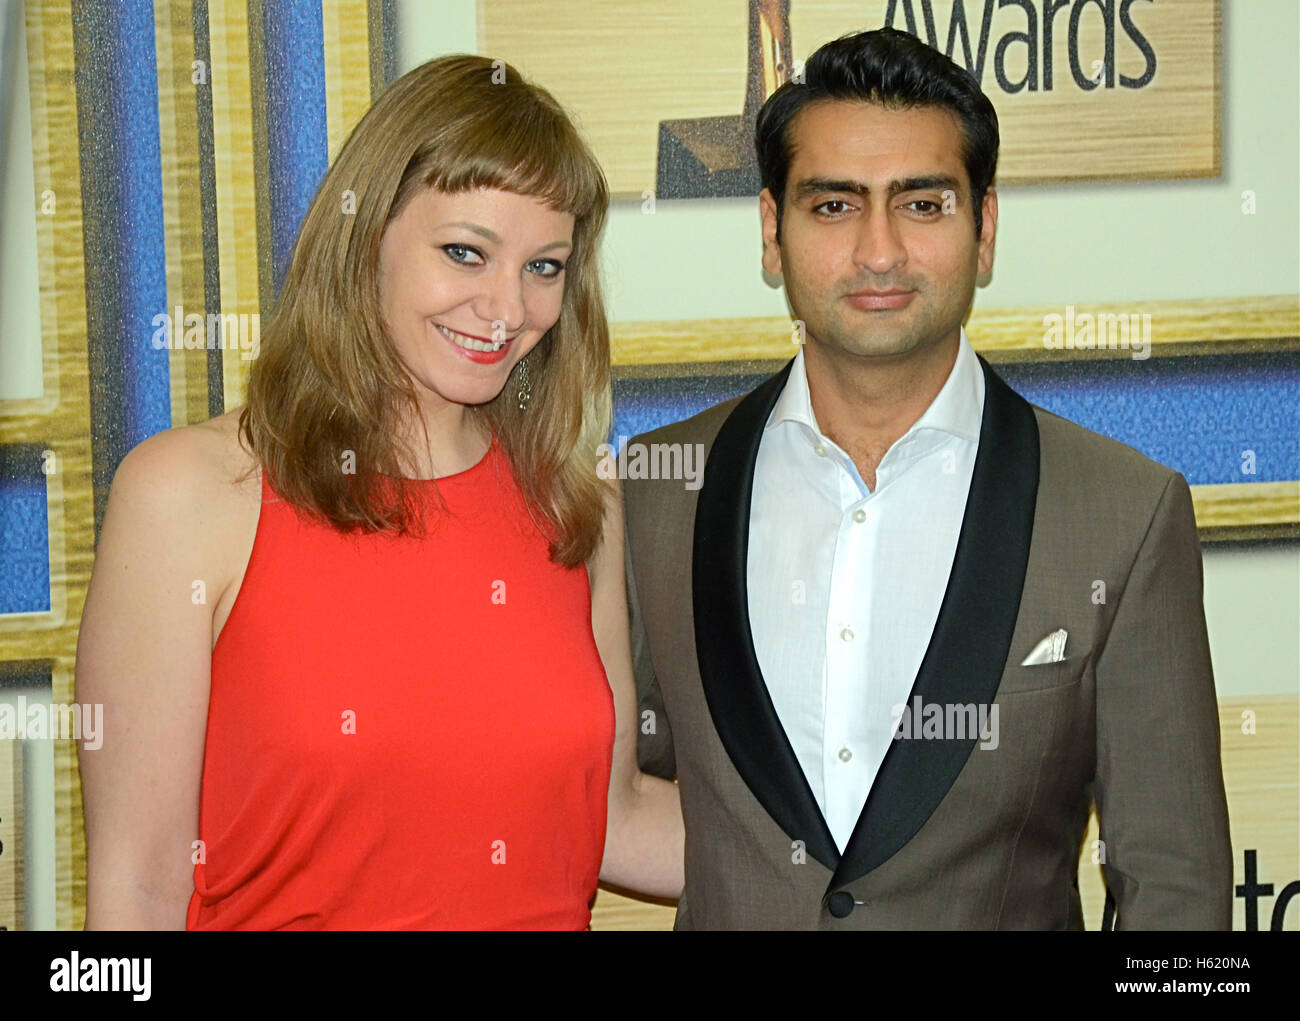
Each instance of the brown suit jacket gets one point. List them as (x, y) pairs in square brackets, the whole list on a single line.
[(952, 836)]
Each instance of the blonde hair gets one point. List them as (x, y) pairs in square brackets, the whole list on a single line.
[(328, 379)]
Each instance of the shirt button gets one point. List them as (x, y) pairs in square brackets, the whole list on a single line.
[(847, 634), (845, 755), (859, 515), (820, 450)]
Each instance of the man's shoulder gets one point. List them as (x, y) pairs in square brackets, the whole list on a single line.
[(701, 427), (1094, 463), (645, 498)]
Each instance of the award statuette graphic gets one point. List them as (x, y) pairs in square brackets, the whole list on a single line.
[(713, 157)]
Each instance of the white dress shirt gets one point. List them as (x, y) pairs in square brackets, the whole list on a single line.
[(845, 583)]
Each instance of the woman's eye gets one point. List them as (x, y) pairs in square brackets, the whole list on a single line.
[(461, 254), (547, 267)]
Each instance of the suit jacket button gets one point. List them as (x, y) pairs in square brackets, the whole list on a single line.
[(840, 904)]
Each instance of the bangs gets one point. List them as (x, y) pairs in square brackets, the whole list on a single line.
[(528, 150)]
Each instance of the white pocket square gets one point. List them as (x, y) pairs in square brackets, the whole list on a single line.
[(1050, 650)]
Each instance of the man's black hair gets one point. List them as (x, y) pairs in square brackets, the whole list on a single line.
[(896, 70)]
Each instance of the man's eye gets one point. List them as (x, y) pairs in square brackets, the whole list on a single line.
[(460, 253), (934, 206), (833, 202)]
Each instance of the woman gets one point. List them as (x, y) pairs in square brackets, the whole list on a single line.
[(363, 645)]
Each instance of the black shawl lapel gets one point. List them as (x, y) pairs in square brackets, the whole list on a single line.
[(968, 649), (734, 688)]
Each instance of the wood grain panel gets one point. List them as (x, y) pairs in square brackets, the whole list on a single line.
[(59, 421), (635, 64), (347, 50), (182, 205), (13, 900), (1181, 327), (235, 160)]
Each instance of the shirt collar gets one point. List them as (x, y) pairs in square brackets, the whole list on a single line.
[(956, 410)]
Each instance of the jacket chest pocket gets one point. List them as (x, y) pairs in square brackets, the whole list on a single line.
[(1044, 676)]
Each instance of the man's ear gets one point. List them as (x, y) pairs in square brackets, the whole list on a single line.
[(771, 250), (988, 231)]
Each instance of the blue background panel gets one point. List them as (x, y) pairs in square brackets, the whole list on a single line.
[(24, 532), (1195, 413)]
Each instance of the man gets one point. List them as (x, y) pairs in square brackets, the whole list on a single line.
[(911, 626)]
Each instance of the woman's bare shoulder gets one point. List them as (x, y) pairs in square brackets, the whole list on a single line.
[(192, 488), (202, 462)]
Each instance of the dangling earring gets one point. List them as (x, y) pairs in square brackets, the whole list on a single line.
[(525, 386)]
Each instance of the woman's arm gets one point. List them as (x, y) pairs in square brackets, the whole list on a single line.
[(144, 653), (644, 835)]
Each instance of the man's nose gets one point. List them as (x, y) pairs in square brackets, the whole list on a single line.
[(879, 245)]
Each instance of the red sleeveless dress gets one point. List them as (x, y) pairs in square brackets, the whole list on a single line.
[(406, 732)]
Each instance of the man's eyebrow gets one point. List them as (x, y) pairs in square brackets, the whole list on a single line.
[(930, 182), (492, 235), (810, 186)]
